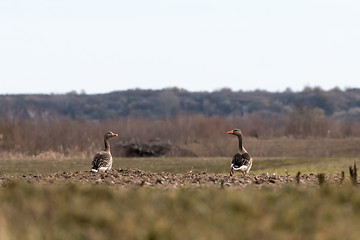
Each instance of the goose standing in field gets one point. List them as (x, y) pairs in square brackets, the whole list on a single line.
[(242, 161), (103, 160)]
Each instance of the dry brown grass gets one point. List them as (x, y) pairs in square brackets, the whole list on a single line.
[(205, 136)]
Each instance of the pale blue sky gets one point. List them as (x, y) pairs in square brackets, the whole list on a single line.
[(101, 46)]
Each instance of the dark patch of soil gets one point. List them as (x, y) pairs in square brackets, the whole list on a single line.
[(138, 178), (152, 148)]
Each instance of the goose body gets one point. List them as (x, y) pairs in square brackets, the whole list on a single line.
[(102, 160), (242, 160)]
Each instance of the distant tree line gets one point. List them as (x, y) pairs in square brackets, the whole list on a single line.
[(338, 104)]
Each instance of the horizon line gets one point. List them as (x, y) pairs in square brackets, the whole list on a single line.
[(83, 92)]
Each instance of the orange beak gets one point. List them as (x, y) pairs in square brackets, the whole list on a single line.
[(230, 132), (115, 135)]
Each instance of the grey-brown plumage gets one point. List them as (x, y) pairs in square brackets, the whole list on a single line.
[(102, 160), (242, 161)]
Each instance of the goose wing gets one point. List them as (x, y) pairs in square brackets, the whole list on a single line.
[(101, 159), (241, 160)]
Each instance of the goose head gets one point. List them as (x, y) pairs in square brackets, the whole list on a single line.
[(110, 135), (236, 132)]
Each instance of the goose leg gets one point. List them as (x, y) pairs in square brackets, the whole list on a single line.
[(231, 171)]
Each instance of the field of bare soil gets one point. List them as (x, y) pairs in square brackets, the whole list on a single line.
[(178, 172), (124, 178)]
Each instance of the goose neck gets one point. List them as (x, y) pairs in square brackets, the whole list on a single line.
[(240, 143), (107, 145)]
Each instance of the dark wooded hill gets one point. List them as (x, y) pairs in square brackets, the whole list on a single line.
[(153, 104)]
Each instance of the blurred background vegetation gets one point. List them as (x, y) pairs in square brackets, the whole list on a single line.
[(312, 122)]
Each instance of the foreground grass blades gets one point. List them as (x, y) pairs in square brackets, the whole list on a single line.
[(73, 211), (69, 207)]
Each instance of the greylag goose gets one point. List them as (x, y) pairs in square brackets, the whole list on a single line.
[(242, 161), (103, 160)]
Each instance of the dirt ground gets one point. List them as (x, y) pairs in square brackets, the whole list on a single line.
[(128, 178)]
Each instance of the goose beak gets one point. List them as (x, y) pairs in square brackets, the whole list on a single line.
[(115, 135), (231, 132)]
